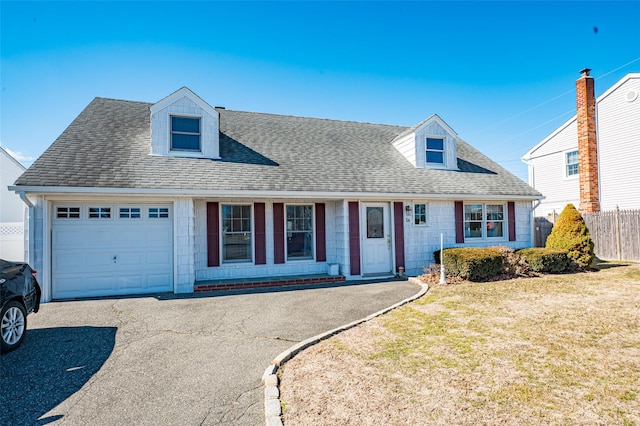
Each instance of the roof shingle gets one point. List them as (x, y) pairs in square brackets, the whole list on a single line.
[(108, 145)]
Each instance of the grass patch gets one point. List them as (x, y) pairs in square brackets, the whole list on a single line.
[(557, 349)]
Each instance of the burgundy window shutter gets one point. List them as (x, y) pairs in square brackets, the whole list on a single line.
[(459, 210), (354, 237), (278, 233), (511, 211), (213, 234), (321, 238), (260, 231), (398, 230)]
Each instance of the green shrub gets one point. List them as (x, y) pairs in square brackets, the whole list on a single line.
[(542, 259), (570, 233), (474, 264)]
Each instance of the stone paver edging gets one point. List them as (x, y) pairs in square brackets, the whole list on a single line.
[(272, 406)]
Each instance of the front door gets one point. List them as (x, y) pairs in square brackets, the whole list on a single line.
[(376, 238)]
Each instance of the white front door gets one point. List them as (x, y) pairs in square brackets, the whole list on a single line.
[(376, 238)]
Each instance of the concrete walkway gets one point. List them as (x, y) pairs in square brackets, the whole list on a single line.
[(165, 359)]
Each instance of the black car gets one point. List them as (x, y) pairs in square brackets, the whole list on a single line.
[(19, 296)]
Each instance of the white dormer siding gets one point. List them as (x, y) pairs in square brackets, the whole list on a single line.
[(185, 103), (413, 144)]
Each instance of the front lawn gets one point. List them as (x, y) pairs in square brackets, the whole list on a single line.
[(559, 349)]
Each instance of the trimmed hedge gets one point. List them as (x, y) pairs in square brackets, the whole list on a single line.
[(473, 264), (545, 260)]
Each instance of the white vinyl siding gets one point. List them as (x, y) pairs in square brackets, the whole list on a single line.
[(619, 148), (618, 155)]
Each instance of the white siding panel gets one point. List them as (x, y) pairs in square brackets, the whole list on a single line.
[(566, 139), (550, 180), (619, 146)]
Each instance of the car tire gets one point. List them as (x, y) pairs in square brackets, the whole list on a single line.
[(13, 326)]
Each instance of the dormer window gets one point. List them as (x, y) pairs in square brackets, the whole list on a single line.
[(435, 150), (183, 125), (185, 133)]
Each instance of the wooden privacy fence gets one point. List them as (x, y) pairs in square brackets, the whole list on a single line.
[(543, 229), (616, 234)]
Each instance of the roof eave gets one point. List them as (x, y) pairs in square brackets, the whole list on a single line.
[(180, 193)]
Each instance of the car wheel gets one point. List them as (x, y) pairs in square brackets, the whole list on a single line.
[(13, 324)]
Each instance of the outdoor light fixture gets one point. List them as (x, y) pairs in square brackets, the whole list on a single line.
[(407, 208)]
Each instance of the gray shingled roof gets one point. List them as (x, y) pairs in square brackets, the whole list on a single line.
[(108, 145)]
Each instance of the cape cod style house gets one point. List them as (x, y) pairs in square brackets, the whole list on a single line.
[(180, 196), (591, 160)]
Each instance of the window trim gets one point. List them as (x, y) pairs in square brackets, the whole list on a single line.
[(148, 212), (484, 220), (100, 206), (118, 212), (313, 234), (171, 132), (252, 258), (566, 164), (443, 150), (68, 207), (426, 214)]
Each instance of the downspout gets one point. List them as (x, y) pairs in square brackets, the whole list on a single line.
[(27, 201)]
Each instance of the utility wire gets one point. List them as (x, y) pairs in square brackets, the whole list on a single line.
[(548, 101)]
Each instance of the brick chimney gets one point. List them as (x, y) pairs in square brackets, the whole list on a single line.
[(587, 143)]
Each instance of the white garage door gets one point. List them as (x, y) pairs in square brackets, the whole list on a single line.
[(106, 250)]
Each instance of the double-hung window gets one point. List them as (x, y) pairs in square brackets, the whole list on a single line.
[(419, 214), (236, 233), (484, 221), (300, 232), (435, 150), (571, 160), (185, 133)]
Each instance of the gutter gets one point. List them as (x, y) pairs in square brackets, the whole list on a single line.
[(240, 193), (31, 249)]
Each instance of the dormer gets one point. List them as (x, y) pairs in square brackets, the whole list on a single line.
[(429, 145), (183, 125)]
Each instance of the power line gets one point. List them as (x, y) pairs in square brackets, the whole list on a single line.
[(551, 100)]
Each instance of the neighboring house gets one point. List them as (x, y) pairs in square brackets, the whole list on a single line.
[(136, 198), (592, 159), (12, 209)]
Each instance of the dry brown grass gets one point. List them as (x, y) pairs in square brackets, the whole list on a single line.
[(560, 349)]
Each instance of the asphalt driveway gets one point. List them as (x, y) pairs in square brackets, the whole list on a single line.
[(166, 359)]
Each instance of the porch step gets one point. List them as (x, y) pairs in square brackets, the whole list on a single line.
[(244, 283)]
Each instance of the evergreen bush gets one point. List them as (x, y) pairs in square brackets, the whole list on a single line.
[(542, 259), (570, 233), (474, 264)]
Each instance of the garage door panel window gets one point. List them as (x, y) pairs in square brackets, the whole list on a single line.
[(129, 213), (158, 213), (99, 212), (236, 233), (68, 213)]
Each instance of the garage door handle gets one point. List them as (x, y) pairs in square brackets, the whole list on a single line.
[(115, 259)]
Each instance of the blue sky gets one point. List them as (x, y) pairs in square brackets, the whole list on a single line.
[(501, 74)]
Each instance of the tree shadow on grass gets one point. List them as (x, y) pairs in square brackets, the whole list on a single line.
[(51, 365)]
